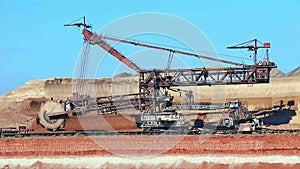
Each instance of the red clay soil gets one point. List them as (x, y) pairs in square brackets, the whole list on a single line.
[(276, 144), (110, 122)]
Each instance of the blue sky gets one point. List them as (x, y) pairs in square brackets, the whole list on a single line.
[(35, 45)]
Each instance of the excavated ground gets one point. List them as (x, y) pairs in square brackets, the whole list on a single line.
[(233, 151), (21, 106), (110, 122)]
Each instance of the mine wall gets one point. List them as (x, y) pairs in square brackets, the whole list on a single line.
[(278, 87), (62, 88), (257, 96)]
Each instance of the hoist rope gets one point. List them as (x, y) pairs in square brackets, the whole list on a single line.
[(82, 68), (185, 48)]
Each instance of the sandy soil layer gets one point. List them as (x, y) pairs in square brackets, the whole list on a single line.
[(232, 162)]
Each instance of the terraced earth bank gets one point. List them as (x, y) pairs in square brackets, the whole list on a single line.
[(213, 151)]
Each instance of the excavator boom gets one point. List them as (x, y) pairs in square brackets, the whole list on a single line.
[(93, 38)]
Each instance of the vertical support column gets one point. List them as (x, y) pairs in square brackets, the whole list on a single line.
[(255, 59), (141, 91)]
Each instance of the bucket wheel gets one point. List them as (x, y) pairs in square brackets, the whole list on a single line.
[(45, 121)]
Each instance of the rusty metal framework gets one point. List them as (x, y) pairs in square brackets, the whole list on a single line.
[(158, 110), (153, 84), (150, 82)]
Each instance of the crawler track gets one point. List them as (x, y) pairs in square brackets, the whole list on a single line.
[(260, 131)]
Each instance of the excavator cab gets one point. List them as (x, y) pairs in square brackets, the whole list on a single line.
[(263, 69)]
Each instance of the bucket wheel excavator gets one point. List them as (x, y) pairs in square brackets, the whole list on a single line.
[(44, 118), (158, 110)]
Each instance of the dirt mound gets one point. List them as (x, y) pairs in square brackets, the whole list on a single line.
[(110, 122), (32, 105), (125, 74), (20, 113), (294, 73), (276, 73)]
